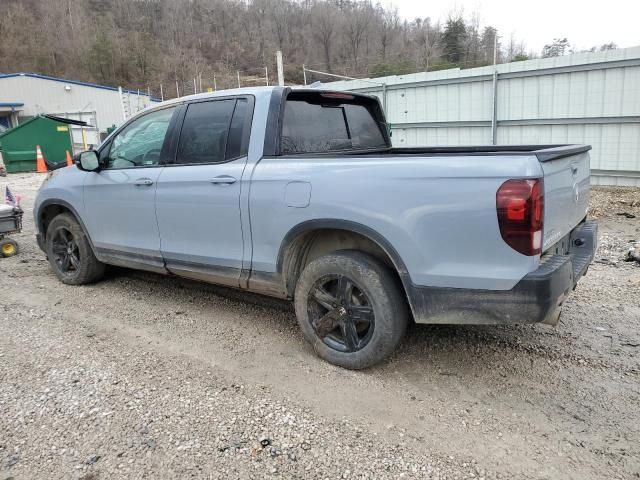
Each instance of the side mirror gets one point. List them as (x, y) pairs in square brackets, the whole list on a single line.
[(88, 161)]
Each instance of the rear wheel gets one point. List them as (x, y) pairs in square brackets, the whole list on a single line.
[(351, 309), (69, 252), (8, 247)]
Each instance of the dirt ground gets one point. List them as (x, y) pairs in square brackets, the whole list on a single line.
[(145, 376)]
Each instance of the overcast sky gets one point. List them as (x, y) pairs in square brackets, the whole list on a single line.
[(584, 22)]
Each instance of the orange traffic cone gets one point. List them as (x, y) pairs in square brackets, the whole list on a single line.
[(41, 166), (69, 159)]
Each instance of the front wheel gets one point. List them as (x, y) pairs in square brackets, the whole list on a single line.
[(69, 252), (351, 309)]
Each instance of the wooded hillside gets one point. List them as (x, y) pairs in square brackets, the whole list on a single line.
[(143, 43)]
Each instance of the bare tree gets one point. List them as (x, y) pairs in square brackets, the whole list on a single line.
[(388, 28), (359, 16), (428, 38), (324, 25)]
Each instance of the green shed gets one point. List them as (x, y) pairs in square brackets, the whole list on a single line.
[(53, 134)]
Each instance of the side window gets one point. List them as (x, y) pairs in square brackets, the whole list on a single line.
[(364, 129), (205, 130), (235, 148), (140, 143)]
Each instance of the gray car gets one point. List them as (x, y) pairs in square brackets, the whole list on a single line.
[(299, 194)]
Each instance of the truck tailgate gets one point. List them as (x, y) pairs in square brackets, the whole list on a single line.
[(566, 190)]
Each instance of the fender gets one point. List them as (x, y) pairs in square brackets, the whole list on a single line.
[(349, 226), (63, 203)]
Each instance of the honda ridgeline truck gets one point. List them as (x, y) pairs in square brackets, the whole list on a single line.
[(299, 194)]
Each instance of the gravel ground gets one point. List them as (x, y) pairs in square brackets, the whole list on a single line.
[(610, 201), (144, 376)]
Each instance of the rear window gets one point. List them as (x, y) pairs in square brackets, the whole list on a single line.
[(314, 124)]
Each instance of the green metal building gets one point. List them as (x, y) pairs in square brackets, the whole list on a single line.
[(18, 145)]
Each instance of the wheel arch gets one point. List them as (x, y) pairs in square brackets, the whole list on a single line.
[(293, 254), (51, 208)]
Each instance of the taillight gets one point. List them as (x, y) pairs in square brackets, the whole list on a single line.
[(520, 206)]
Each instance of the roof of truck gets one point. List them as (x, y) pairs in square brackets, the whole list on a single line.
[(248, 91), (221, 93)]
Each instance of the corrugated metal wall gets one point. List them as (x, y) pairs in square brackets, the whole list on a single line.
[(41, 95), (591, 98)]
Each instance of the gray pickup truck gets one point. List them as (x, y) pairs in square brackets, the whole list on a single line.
[(299, 194)]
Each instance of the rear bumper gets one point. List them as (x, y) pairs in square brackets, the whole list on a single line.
[(536, 298)]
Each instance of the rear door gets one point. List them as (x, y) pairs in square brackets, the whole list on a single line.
[(198, 195), (120, 198), (566, 192)]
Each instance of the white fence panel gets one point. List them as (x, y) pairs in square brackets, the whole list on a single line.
[(591, 98)]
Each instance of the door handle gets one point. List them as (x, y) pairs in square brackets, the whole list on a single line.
[(223, 180), (143, 182), (574, 170)]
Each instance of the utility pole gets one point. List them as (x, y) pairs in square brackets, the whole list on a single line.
[(195, 86), (177, 90), (161, 94), (280, 68), (266, 75), (124, 110), (494, 95), (238, 72), (304, 74)]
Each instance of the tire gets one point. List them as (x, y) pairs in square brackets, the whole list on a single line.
[(81, 266), (8, 247), (346, 292)]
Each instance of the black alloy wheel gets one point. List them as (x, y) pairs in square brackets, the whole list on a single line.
[(340, 313), (66, 253), (70, 253), (351, 308)]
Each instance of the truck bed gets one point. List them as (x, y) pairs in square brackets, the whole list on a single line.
[(565, 169)]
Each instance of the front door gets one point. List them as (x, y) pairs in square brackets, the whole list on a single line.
[(120, 198), (198, 197)]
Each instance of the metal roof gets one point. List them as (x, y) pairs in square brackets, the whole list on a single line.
[(72, 82), (12, 105)]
